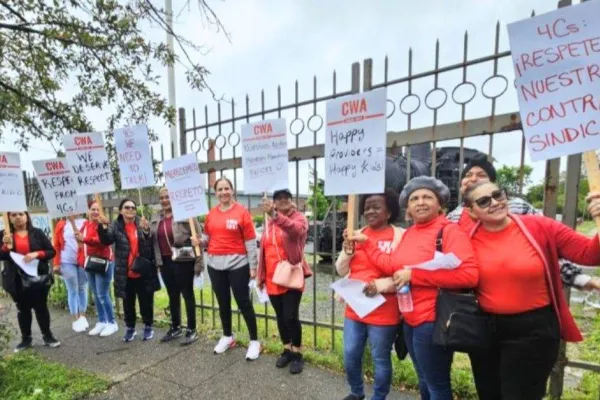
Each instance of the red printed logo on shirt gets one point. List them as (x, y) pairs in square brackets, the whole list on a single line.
[(385, 246), (231, 224)]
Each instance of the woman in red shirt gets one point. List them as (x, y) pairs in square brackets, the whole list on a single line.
[(99, 282), (424, 198), (520, 287), (232, 260), (380, 327), (284, 239), (29, 293)]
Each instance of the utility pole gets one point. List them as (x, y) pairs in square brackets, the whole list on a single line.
[(174, 142)]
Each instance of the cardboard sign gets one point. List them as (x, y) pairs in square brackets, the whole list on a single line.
[(87, 158), (265, 156), (134, 158), (58, 188), (355, 144), (186, 187), (556, 58), (12, 186)]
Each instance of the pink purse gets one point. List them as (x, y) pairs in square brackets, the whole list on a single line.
[(286, 274)]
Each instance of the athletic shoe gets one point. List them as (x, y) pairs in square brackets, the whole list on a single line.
[(171, 335), (97, 329), (148, 332), (110, 329), (354, 397), (284, 359), (80, 325), (253, 350), (50, 341), (129, 335), (225, 343), (297, 364), (26, 343), (190, 337)]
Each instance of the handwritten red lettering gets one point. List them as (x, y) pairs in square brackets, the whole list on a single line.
[(354, 107), (566, 135), (557, 29), (3, 159), (578, 76), (563, 109)]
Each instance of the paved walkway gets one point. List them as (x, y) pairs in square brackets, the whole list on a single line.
[(151, 370)]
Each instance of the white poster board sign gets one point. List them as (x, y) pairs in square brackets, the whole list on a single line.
[(355, 144), (265, 156), (87, 158), (40, 221), (556, 57), (56, 182), (133, 156), (186, 187), (12, 186)]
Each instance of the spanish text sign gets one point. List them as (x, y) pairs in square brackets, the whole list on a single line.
[(12, 186), (133, 155), (56, 182), (556, 57), (87, 158), (186, 187), (265, 156), (355, 144)]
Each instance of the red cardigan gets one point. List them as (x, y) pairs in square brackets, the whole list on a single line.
[(553, 240), (295, 232), (92, 244)]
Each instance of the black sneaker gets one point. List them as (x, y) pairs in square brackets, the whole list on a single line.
[(190, 337), (297, 364), (171, 334), (50, 341), (26, 343), (284, 359), (354, 397)]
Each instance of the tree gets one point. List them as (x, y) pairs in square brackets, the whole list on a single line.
[(96, 47), (508, 177), (318, 191), (535, 195)]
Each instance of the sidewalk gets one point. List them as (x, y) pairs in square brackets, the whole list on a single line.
[(151, 370)]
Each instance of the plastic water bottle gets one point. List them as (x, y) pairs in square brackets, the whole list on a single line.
[(405, 302)]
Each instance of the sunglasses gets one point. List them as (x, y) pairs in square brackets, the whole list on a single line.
[(485, 201), (129, 208)]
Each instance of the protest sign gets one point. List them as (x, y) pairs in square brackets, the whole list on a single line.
[(186, 187), (265, 156), (133, 156), (355, 144), (88, 161), (56, 182), (12, 186), (556, 58)]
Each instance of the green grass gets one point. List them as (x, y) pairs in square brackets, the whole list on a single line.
[(587, 227), (28, 376)]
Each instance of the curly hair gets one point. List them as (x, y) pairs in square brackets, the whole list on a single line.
[(391, 203)]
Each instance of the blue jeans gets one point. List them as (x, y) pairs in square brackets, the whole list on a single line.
[(76, 282), (100, 285), (431, 362), (381, 340)]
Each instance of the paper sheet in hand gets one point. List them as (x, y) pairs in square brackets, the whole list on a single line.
[(440, 261), (262, 295), (351, 290), (199, 281), (30, 268)]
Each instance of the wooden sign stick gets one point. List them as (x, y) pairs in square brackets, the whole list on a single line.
[(195, 234), (140, 197), (6, 226), (351, 227), (593, 173)]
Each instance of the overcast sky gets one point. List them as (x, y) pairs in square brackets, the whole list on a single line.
[(276, 42)]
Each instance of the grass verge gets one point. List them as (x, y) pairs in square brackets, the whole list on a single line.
[(28, 376)]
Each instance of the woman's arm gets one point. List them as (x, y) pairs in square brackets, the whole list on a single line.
[(106, 234), (574, 246), (342, 264), (293, 227)]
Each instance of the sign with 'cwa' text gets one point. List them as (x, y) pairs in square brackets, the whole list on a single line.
[(87, 158)]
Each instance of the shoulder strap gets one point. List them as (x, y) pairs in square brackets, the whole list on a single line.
[(439, 241)]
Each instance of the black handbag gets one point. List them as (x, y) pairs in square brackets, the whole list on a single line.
[(400, 344), (96, 265), (460, 324), (143, 266)]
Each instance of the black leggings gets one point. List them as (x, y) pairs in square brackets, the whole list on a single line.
[(179, 280), (236, 280), (137, 288), (524, 350), (287, 310), (36, 300)]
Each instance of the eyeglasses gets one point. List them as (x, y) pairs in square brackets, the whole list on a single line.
[(485, 201), (130, 208)]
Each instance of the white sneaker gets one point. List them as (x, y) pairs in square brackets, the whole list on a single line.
[(110, 329), (97, 329), (225, 343), (85, 323), (253, 350), (80, 325)]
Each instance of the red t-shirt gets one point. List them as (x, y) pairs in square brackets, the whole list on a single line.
[(466, 222), (21, 244), (132, 235), (512, 279), (361, 268), (165, 224), (229, 230), (418, 245), (273, 254)]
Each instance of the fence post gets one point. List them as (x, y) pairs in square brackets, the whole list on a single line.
[(182, 132)]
